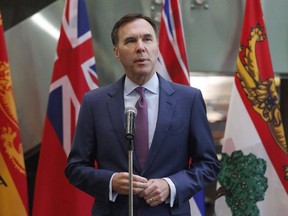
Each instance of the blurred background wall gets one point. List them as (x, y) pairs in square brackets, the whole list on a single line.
[(212, 33)]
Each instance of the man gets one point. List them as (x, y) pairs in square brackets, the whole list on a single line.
[(178, 132)]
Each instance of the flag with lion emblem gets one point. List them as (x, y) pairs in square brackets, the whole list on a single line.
[(254, 166)]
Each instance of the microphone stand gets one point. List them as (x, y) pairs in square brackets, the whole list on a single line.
[(130, 113), (130, 167)]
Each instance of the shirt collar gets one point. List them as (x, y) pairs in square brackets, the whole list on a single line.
[(152, 85)]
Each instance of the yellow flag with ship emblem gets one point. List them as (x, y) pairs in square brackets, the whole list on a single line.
[(13, 182)]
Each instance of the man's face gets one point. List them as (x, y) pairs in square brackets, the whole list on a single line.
[(137, 50)]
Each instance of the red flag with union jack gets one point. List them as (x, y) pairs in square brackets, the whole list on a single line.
[(172, 60), (173, 66), (74, 74), (253, 179), (13, 181)]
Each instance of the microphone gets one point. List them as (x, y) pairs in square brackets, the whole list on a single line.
[(130, 113)]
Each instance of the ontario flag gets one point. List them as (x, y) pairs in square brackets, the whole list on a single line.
[(13, 182), (173, 66), (254, 166), (74, 74)]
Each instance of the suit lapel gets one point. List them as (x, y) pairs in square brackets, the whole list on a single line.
[(164, 121), (115, 107)]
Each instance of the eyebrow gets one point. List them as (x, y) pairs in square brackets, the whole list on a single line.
[(142, 36), (129, 38), (148, 35)]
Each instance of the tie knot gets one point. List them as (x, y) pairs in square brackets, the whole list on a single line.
[(140, 90)]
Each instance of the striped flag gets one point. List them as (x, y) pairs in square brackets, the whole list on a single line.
[(254, 167), (13, 181), (74, 74), (172, 65)]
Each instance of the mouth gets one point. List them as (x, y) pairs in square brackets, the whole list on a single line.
[(141, 60)]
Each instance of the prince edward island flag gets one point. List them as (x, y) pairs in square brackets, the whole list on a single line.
[(254, 166)]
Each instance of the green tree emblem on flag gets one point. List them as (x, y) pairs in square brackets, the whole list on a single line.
[(242, 182)]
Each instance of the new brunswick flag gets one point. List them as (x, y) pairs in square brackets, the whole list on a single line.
[(13, 183), (254, 166)]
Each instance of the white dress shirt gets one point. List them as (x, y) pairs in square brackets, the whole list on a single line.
[(152, 97)]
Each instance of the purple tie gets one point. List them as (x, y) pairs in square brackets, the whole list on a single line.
[(141, 130)]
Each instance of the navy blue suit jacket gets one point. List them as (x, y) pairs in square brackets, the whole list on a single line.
[(182, 132)]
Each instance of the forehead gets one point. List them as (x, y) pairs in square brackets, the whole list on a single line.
[(136, 27)]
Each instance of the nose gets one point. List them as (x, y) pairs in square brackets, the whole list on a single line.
[(140, 46)]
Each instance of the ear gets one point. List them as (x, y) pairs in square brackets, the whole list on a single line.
[(116, 53)]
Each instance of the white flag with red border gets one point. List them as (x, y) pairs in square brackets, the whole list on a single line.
[(254, 167)]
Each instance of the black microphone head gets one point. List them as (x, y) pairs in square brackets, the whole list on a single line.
[(130, 114)]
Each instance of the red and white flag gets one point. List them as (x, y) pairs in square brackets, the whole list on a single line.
[(13, 181), (172, 61), (254, 166), (74, 74), (173, 66)]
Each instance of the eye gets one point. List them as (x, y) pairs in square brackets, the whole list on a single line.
[(147, 39), (129, 40)]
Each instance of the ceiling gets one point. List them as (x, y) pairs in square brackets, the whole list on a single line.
[(15, 11)]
